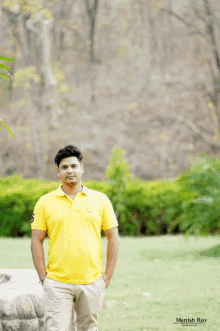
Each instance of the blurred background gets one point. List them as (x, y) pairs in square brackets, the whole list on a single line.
[(135, 85), (142, 75)]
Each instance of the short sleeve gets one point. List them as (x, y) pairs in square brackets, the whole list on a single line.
[(109, 219), (38, 220)]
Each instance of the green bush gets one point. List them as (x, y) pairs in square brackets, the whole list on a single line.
[(153, 206), (100, 186), (17, 200), (118, 175), (141, 207), (201, 197), (190, 204)]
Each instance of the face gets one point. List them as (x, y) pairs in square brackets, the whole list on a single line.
[(70, 171)]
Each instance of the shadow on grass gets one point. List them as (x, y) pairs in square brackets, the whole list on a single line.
[(213, 252)]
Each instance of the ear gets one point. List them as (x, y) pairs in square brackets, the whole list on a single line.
[(57, 169)]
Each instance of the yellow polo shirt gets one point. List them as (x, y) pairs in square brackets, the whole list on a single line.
[(74, 231)]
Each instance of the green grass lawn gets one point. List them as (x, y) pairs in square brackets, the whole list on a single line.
[(181, 282)]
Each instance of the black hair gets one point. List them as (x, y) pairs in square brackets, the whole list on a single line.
[(68, 151)]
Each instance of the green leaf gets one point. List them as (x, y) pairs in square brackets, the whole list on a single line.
[(208, 200), (5, 58), (5, 67), (7, 127), (5, 76)]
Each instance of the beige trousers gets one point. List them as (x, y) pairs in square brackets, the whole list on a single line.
[(72, 307)]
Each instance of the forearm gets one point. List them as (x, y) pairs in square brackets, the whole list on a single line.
[(112, 256), (37, 251)]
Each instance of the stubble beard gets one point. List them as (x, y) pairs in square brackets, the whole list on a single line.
[(71, 181)]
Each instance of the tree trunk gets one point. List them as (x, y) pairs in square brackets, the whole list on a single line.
[(62, 14), (152, 34), (161, 43), (36, 119), (54, 44), (211, 32), (146, 35), (218, 98), (46, 69), (92, 12), (169, 35), (61, 41), (10, 88), (93, 78), (36, 103)]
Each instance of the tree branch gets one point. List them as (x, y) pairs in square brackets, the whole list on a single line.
[(190, 25), (12, 18), (198, 131), (95, 6), (207, 138), (210, 30), (87, 6), (197, 13)]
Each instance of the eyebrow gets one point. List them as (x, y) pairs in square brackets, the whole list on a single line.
[(65, 165)]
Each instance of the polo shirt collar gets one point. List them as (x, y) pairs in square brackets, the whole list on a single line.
[(60, 192)]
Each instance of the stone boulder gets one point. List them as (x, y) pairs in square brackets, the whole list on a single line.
[(21, 300)]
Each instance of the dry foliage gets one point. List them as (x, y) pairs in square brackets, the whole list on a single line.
[(150, 86)]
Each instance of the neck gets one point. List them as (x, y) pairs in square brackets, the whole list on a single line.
[(73, 189)]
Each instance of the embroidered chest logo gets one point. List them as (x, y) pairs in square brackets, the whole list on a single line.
[(32, 219)]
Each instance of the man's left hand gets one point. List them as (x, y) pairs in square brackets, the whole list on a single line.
[(106, 279)]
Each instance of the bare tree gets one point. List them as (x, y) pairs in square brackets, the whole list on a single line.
[(61, 13), (28, 36), (33, 37), (212, 28), (92, 9), (202, 18)]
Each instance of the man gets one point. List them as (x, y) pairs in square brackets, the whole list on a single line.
[(73, 216)]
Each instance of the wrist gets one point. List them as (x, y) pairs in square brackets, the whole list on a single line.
[(42, 279), (107, 276)]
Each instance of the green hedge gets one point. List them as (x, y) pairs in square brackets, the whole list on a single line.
[(189, 204), (17, 200), (152, 207), (200, 212), (149, 208)]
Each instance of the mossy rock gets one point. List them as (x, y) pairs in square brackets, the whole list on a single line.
[(21, 305)]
